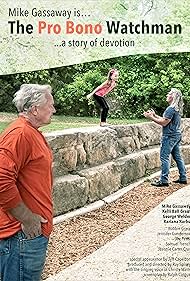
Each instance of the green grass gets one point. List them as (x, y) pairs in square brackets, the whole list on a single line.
[(3, 125), (66, 122)]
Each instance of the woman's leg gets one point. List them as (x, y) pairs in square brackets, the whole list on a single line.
[(104, 106)]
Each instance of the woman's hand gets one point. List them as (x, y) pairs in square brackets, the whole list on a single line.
[(89, 96)]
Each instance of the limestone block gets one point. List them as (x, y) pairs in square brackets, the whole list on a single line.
[(103, 180), (69, 193), (61, 139), (126, 145), (123, 131), (65, 160), (101, 146), (136, 136), (152, 159), (81, 155), (64, 153), (185, 127), (186, 153), (149, 134), (130, 167), (127, 138)]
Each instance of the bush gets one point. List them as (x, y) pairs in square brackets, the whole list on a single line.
[(144, 83)]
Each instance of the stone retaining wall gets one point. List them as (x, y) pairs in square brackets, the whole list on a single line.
[(91, 163)]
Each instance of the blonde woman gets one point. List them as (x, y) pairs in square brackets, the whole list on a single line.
[(101, 91), (171, 137)]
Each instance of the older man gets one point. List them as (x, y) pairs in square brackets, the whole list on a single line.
[(26, 186), (171, 137)]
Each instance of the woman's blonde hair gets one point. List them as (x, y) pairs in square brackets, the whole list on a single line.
[(110, 73), (177, 102)]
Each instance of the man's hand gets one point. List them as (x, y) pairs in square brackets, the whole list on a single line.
[(153, 112), (30, 222), (32, 226), (149, 114), (157, 119)]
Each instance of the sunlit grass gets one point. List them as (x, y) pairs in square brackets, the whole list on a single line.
[(3, 125)]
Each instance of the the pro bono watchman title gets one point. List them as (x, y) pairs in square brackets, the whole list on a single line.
[(71, 27)]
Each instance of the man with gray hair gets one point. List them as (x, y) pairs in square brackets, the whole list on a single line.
[(171, 137), (26, 186)]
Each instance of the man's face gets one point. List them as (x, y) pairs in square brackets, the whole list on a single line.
[(169, 97), (45, 111)]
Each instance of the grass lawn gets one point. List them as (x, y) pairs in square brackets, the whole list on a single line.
[(66, 122)]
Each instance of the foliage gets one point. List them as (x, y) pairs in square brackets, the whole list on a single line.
[(144, 83), (9, 84)]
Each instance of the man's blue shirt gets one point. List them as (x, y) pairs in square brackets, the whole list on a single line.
[(174, 127)]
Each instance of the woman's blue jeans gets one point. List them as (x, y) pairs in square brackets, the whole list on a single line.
[(22, 259), (170, 145)]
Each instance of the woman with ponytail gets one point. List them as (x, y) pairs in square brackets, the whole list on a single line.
[(101, 91)]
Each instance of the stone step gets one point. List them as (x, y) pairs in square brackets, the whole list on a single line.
[(77, 149), (92, 184)]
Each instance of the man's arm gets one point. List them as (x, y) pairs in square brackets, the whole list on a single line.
[(156, 118)]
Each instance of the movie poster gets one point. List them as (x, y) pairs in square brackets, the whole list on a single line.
[(38, 35), (45, 34)]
